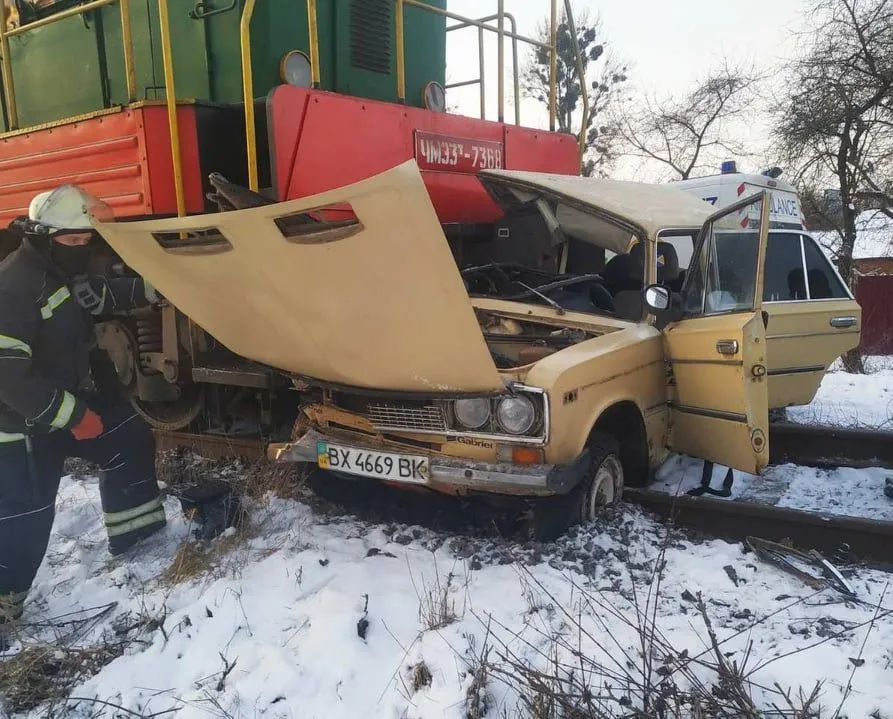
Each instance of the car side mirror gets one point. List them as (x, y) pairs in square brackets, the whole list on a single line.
[(657, 298)]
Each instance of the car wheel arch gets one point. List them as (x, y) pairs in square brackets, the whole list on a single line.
[(623, 420)]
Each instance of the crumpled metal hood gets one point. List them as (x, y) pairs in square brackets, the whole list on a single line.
[(374, 303)]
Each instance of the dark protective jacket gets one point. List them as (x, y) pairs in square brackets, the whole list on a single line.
[(46, 340)]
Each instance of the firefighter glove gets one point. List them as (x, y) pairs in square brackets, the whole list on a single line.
[(90, 426)]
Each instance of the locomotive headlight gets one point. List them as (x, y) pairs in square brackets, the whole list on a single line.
[(434, 96), (472, 413), (515, 414), (294, 69)]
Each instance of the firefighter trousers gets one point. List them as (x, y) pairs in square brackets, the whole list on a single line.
[(131, 500)]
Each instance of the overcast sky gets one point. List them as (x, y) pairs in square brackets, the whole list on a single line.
[(669, 44)]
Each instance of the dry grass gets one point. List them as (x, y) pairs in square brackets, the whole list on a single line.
[(44, 674), (421, 676), (192, 560), (196, 559), (589, 669), (255, 479), (281, 479), (478, 701), (437, 607)]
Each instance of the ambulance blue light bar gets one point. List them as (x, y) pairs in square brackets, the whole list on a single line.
[(729, 167)]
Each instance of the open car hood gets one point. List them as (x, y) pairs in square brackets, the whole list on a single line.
[(374, 302), (605, 213)]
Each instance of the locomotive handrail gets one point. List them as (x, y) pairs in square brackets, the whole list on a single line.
[(501, 33), (248, 93), (313, 30), (480, 81), (167, 60), (584, 91), (8, 82), (483, 24)]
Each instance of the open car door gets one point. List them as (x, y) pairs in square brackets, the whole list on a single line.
[(719, 392)]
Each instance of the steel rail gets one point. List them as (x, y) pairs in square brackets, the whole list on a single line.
[(828, 447), (729, 519), (211, 446)]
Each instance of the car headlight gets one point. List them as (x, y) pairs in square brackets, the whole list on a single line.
[(515, 414), (472, 413)]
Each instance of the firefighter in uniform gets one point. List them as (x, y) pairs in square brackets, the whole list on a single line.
[(52, 404)]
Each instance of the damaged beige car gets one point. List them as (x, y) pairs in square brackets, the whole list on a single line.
[(407, 379)]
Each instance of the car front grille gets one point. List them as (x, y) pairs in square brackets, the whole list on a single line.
[(420, 418)]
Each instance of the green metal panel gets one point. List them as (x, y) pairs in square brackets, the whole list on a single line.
[(189, 52), (76, 65), (365, 54), (280, 26), (365, 59), (57, 70), (143, 50), (224, 62), (425, 50)]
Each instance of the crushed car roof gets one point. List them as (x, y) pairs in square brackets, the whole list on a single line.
[(643, 208)]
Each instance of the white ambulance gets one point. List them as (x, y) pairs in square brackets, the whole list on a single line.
[(809, 309), (730, 186)]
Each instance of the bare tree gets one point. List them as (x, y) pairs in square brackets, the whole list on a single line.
[(605, 76), (835, 126), (682, 133)]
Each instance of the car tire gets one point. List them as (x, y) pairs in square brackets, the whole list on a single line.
[(603, 485)]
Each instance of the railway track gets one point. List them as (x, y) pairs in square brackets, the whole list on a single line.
[(829, 446), (807, 445), (836, 536), (839, 537), (212, 446)]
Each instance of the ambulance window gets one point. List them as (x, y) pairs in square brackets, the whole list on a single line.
[(824, 283), (783, 280)]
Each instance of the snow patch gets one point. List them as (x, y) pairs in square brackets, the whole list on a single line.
[(273, 629)]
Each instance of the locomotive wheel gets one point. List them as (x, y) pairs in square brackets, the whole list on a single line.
[(173, 415), (118, 340)]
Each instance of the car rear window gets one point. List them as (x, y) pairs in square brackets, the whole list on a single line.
[(824, 282)]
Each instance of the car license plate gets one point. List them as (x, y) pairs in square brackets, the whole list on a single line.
[(366, 463)]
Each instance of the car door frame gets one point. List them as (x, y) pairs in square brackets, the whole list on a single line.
[(719, 405)]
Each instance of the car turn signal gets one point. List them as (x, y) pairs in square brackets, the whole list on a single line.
[(527, 455)]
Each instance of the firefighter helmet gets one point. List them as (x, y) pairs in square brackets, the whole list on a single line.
[(66, 209)]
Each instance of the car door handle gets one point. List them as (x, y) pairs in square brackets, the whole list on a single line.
[(727, 347), (843, 322)]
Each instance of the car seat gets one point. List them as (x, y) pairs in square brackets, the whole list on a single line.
[(796, 285), (623, 279), (628, 276), (667, 264), (819, 286), (623, 273)]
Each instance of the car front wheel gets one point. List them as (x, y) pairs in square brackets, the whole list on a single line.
[(604, 484), (601, 486)]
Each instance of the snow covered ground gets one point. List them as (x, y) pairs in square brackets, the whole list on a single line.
[(844, 491), (843, 400), (848, 400), (268, 623), (271, 628)]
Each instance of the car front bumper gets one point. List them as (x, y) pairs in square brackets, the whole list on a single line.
[(452, 474)]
